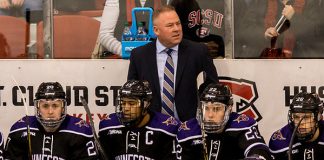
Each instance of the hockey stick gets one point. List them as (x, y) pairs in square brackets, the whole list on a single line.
[(292, 139), (27, 120), (96, 139), (203, 133)]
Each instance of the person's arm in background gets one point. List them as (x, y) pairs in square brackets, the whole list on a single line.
[(107, 27), (4, 4), (17, 2), (288, 12)]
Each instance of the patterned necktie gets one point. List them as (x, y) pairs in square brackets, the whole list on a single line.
[(168, 86)]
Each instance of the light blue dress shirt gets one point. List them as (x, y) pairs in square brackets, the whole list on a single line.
[(161, 57)]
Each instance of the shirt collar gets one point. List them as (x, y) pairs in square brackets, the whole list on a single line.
[(160, 47)]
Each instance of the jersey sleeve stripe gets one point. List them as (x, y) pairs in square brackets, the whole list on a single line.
[(1, 136), (240, 129), (284, 149), (189, 138), (78, 133), (111, 127), (161, 130), (25, 128)]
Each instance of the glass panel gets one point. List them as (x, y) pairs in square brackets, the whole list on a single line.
[(301, 36), (249, 28), (202, 20)]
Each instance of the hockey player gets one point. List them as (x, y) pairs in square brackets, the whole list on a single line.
[(53, 134), (135, 132), (228, 135), (305, 117)]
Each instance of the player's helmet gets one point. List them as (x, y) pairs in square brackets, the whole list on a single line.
[(305, 103), (133, 94), (220, 95), (50, 91)]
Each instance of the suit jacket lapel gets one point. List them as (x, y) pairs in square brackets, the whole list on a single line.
[(152, 67), (182, 61)]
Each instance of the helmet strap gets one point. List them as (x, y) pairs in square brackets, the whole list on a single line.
[(315, 135), (144, 121)]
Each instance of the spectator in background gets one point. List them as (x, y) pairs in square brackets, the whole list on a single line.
[(304, 38), (108, 24), (195, 26), (305, 121), (249, 28), (171, 64)]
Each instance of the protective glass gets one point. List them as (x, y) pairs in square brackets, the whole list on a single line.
[(213, 111), (307, 125), (47, 104), (46, 112), (129, 109), (214, 116)]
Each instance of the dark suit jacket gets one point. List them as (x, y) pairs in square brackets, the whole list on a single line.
[(193, 58)]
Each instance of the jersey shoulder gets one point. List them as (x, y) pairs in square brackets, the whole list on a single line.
[(279, 140), (21, 124), (109, 122), (76, 126), (189, 130), (238, 122), (163, 123)]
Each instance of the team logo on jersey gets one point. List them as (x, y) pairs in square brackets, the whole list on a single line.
[(21, 121), (25, 134), (184, 127), (241, 118), (196, 142), (278, 136), (106, 117), (115, 131), (82, 123), (244, 94), (171, 121)]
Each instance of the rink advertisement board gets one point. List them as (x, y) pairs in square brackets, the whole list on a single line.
[(262, 89)]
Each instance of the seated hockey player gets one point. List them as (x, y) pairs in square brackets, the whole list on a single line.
[(305, 119), (135, 132), (51, 133), (226, 134)]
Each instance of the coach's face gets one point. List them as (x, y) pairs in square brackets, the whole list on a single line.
[(168, 29)]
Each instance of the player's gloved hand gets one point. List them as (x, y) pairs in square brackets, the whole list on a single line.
[(254, 157)]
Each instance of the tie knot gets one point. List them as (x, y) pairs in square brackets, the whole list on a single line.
[(169, 51)]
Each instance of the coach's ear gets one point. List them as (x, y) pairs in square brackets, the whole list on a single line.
[(156, 30)]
